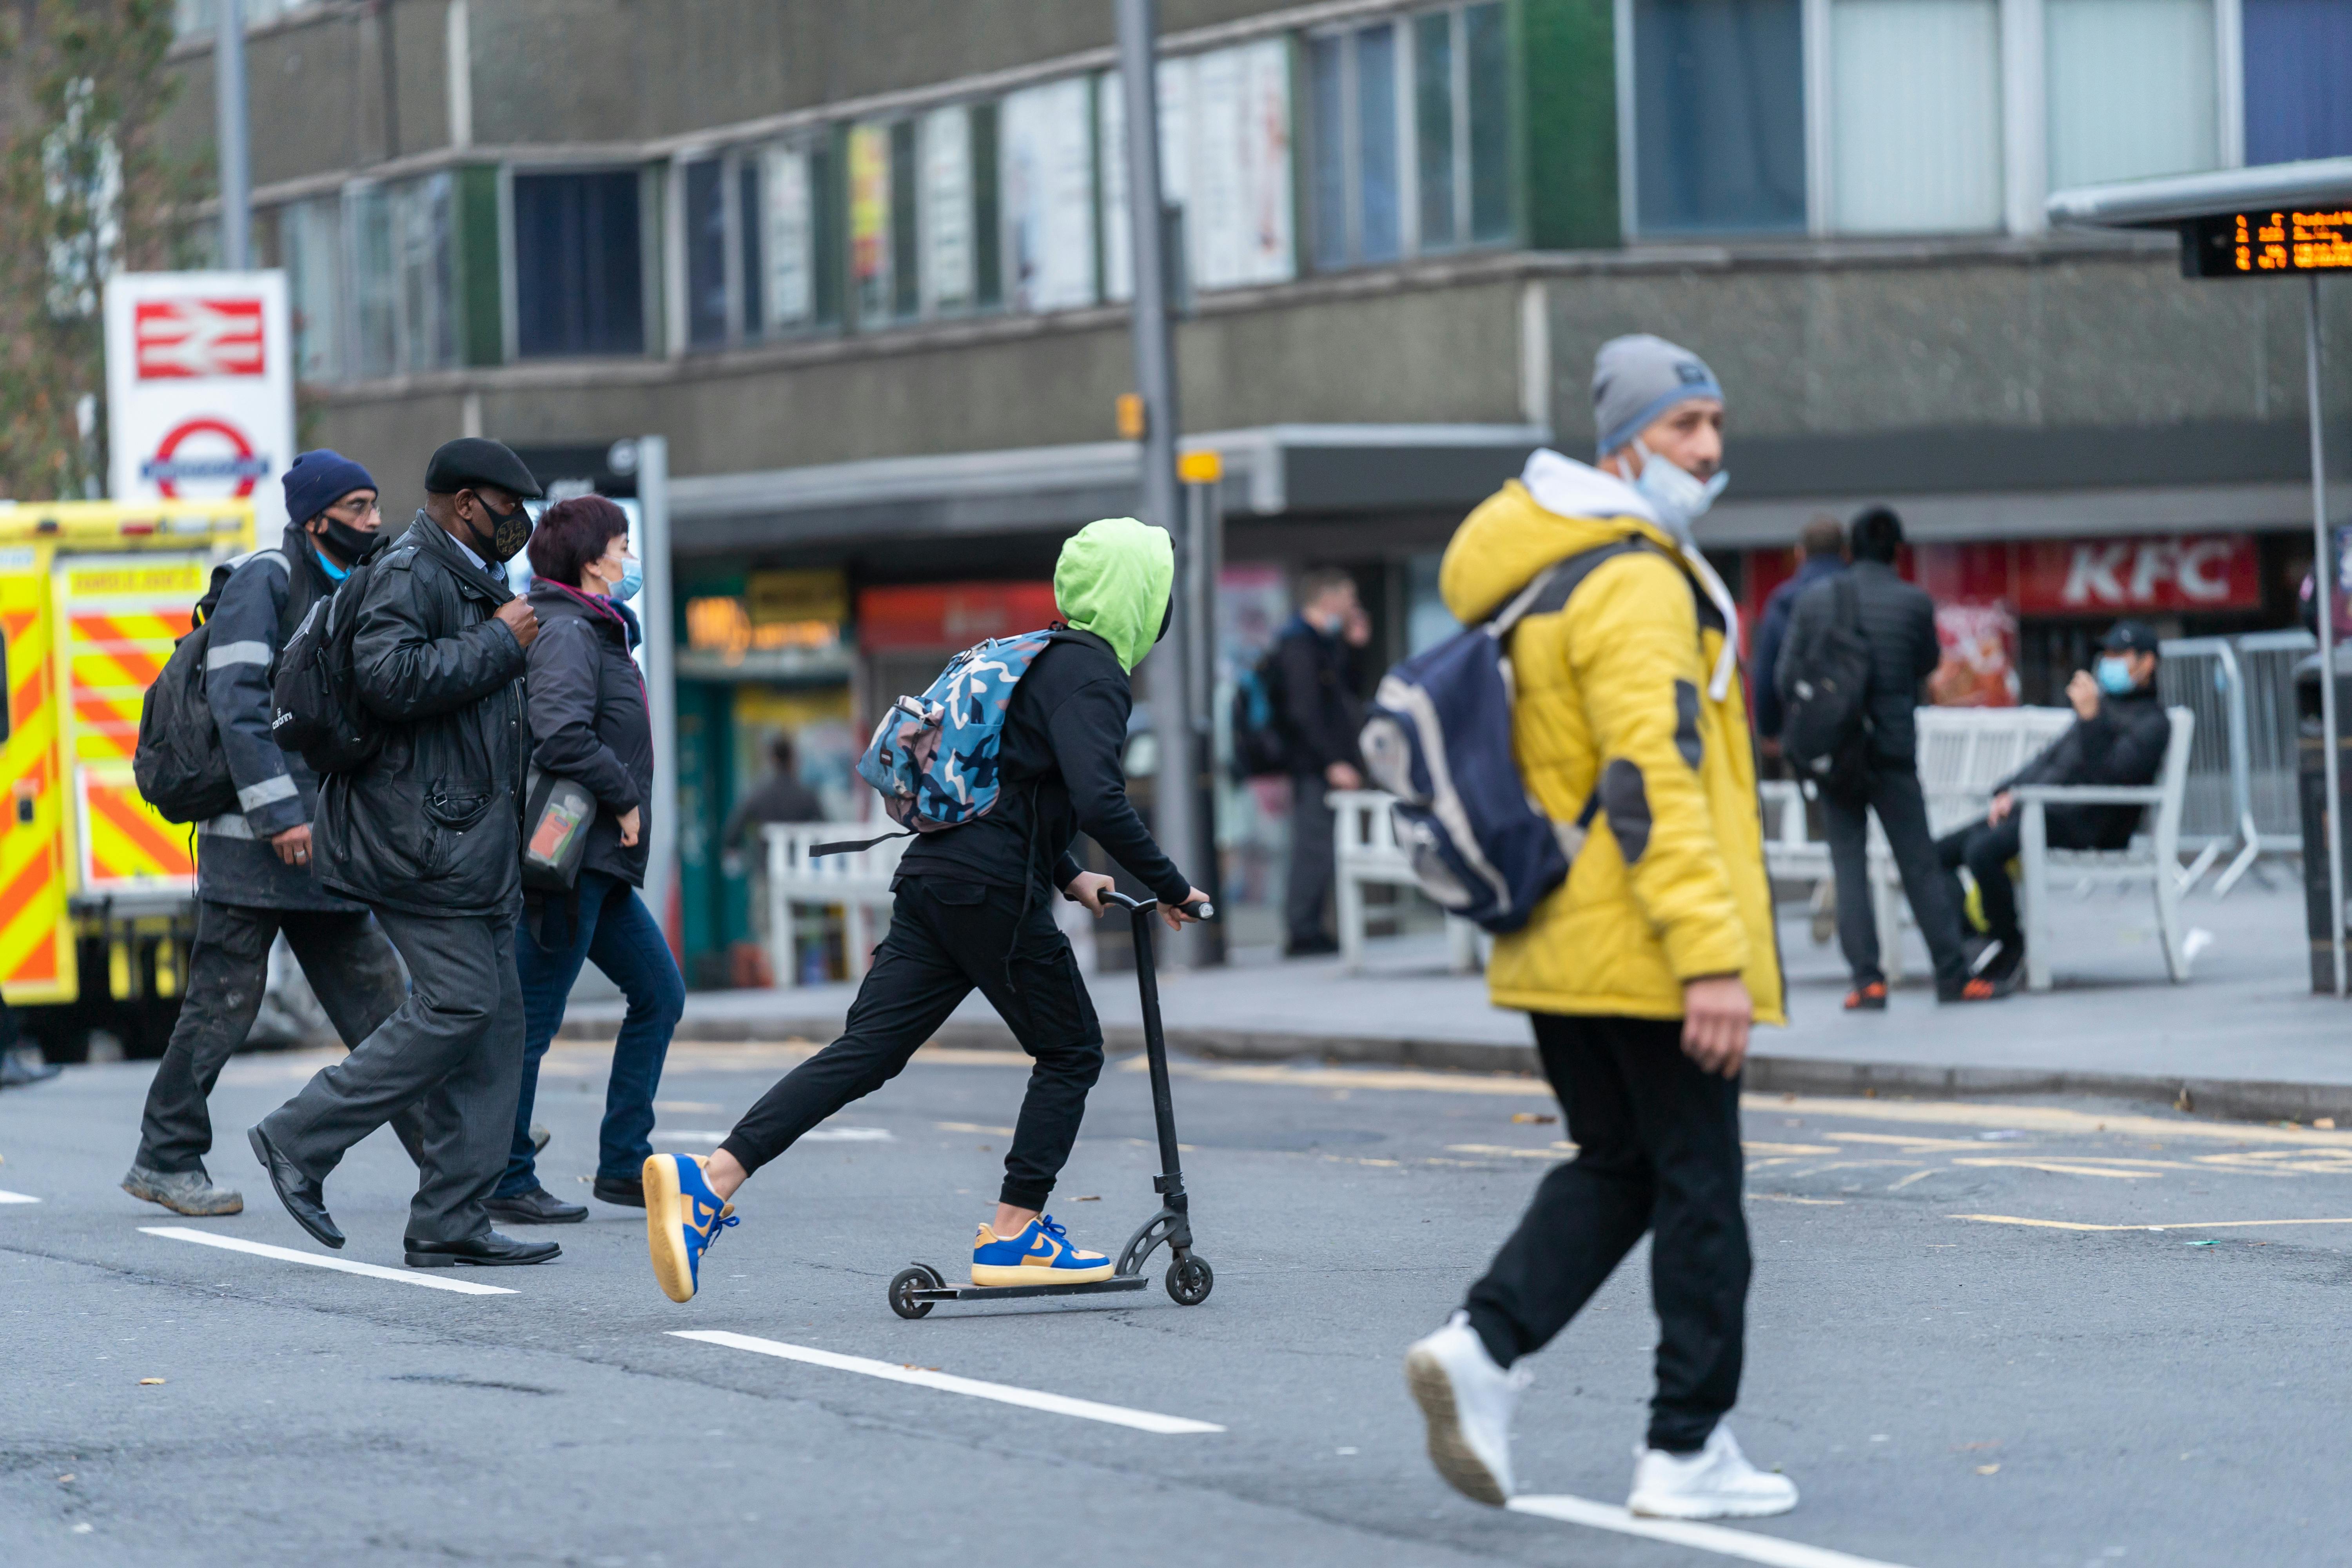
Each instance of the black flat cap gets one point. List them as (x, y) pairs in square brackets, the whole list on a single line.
[(472, 460), (2129, 636)]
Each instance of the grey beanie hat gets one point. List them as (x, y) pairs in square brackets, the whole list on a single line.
[(1638, 377)]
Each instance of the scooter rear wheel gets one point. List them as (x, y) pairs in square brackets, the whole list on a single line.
[(903, 1285), (1189, 1280)]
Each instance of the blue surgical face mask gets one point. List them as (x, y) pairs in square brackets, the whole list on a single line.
[(2115, 675), (632, 578), (1678, 497)]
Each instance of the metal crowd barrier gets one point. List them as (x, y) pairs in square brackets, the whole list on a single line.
[(2241, 770)]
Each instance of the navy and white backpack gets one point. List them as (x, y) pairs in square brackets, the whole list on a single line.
[(1438, 739)]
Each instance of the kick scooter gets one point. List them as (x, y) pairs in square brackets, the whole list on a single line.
[(916, 1289)]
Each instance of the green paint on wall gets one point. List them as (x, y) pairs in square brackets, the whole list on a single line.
[(477, 266), (1568, 87)]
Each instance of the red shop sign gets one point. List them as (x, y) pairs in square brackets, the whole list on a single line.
[(2104, 576), (950, 616)]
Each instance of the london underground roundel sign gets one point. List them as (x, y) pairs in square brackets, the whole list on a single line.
[(208, 452)]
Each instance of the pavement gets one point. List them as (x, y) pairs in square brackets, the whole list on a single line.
[(2245, 1037), (1970, 1343)]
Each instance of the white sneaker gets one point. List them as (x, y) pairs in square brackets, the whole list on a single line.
[(1467, 1401), (1716, 1482)]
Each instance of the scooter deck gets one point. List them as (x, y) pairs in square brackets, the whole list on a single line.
[(1010, 1292)]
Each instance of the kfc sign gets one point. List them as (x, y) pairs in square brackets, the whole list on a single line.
[(200, 389), (196, 337), (2109, 576)]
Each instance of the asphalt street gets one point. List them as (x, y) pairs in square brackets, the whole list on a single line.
[(1971, 1342)]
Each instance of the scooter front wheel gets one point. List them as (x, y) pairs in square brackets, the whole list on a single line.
[(903, 1285), (1189, 1280)]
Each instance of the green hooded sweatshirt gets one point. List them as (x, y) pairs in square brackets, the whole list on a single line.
[(1113, 580)]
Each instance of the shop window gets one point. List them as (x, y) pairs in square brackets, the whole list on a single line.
[(2298, 63), (1915, 96), (1719, 116), (2131, 89), (403, 273), (579, 266)]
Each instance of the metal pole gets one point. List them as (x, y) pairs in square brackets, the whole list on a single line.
[(236, 157), (661, 682), (2324, 586), (1155, 379)]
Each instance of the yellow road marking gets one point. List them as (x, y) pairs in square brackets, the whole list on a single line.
[(974, 1127), (2055, 1168), (2042, 1119), (1754, 1147), (1905, 1139), (2198, 1224), (1509, 1150)]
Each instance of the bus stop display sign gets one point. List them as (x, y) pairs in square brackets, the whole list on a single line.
[(2268, 244)]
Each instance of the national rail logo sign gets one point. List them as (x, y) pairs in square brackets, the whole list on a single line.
[(200, 389)]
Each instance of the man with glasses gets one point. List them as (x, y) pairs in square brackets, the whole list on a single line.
[(253, 874)]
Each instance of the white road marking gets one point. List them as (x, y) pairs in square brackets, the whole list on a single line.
[(1715, 1538), (318, 1260), (19, 1198), (815, 1135), (1004, 1393)]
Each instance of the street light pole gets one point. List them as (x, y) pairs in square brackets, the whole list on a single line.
[(1175, 809), (659, 629), (234, 146)]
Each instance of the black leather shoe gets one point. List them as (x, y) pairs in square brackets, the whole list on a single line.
[(302, 1196), (537, 1206), (629, 1192), (487, 1250)]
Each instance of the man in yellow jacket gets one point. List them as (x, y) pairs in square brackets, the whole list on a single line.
[(1645, 970)]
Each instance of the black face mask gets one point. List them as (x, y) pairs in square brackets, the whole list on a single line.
[(349, 544), (509, 531)]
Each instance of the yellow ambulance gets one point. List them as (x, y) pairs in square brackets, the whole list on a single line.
[(96, 891)]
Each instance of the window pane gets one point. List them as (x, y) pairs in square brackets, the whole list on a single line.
[(428, 330), (1046, 152), (1719, 111), (706, 253), (2131, 89), (1486, 54), (371, 282), (310, 238), (1110, 142), (1380, 213), (747, 223), (947, 209), (1238, 220), (869, 221), (1917, 105), (1328, 150), (579, 274), (905, 268), (2298, 79), (787, 220), (1432, 63)]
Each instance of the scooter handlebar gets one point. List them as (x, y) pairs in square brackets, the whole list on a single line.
[(1204, 910)]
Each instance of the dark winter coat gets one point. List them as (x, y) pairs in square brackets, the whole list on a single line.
[(263, 601), (588, 720), (1772, 634), (432, 824), (2123, 744), (1898, 621), (1322, 699)]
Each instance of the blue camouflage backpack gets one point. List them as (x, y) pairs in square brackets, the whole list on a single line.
[(933, 757), (1438, 739)]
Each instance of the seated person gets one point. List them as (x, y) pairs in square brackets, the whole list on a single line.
[(2118, 737)]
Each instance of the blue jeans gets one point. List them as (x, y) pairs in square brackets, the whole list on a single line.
[(617, 933)]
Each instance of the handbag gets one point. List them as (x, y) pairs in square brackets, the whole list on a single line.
[(557, 814)]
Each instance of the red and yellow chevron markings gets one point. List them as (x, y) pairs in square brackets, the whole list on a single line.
[(36, 939)]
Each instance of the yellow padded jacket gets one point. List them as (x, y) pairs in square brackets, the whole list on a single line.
[(1627, 689)]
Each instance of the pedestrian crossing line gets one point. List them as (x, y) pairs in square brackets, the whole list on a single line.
[(947, 1383), (2196, 1224), (19, 1198), (1744, 1544), (318, 1260)]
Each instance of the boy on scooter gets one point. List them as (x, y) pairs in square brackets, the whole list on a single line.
[(972, 911)]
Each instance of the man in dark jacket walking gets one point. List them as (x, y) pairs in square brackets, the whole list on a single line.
[(2118, 737), (1316, 662), (426, 833), (1820, 552), (254, 871), (1898, 621)]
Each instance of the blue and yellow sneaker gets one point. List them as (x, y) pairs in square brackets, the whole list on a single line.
[(683, 1217), (1040, 1254)]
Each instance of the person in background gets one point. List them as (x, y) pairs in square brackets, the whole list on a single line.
[(1820, 552), (781, 797), (2118, 737), (1317, 660), (17, 1069), (590, 723), (254, 872)]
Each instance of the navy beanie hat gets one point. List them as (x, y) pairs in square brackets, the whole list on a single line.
[(319, 479)]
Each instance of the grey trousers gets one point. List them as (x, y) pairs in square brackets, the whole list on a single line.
[(350, 966), (1311, 861), (1902, 808), (453, 1052)]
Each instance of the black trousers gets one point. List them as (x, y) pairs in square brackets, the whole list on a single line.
[(1314, 865), (948, 939), (350, 964), (444, 1069), (1901, 809), (1657, 1151)]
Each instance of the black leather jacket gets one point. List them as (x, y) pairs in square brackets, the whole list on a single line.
[(589, 719), (2123, 744), (432, 824)]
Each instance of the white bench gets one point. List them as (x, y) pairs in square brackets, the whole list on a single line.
[(858, 882), (2153, 858), (1365, 853)]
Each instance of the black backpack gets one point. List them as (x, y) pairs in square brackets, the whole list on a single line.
[(1259, 745), (316, 693), (179, 766), (1825, 698)]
